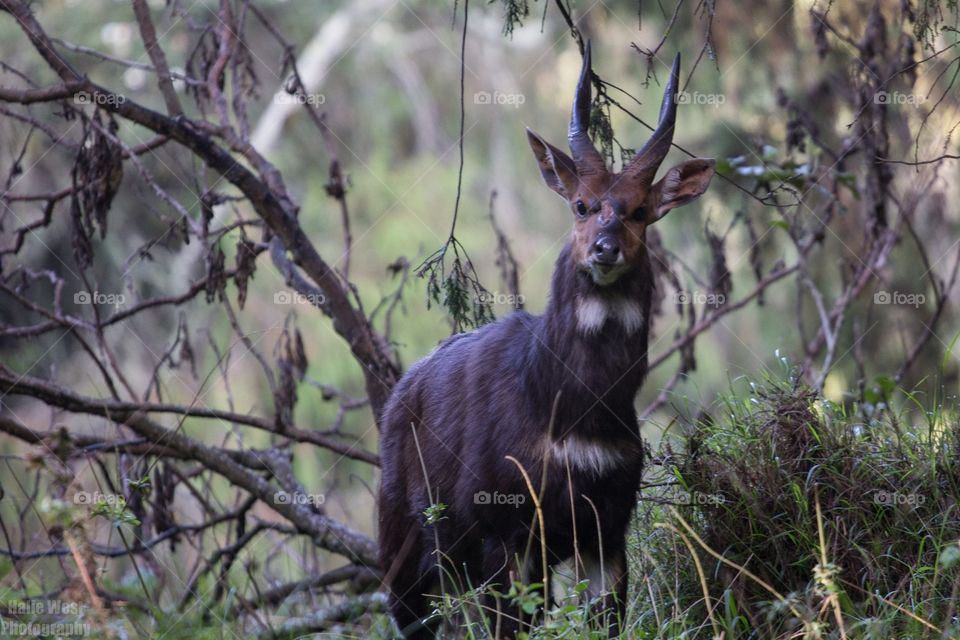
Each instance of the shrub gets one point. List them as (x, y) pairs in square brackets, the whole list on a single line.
[(784, 469)]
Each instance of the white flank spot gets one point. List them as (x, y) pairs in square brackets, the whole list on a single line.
[(586, 455), (591, 314)]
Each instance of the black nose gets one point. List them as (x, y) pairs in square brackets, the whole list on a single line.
[(606, 251)]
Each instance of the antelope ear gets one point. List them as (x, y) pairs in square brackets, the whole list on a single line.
[(683, 183), (556, 167)]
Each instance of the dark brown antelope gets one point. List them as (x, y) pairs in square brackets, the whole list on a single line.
[(528, 391)]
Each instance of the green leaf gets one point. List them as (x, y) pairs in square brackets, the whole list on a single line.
[(434, 513), (723, 167), (142, 485), (886, 384)]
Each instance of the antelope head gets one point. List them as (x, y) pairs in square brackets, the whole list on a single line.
[(613, 210)]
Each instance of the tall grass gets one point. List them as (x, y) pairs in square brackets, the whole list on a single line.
[(807, 518)]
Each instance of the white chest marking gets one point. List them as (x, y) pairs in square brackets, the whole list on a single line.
[(592, 313), (630, 315), (586, 455)]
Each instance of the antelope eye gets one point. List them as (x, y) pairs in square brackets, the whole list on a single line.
[(581, 208), (639, 214)]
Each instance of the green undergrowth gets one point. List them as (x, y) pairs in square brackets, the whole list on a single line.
[(796, 517)]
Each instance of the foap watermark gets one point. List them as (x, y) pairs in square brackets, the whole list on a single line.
[(99, 99), (295, 297), (297, 497), (897, 498), (496, 297), (312, 99), (497, 499), (709, 99), (500, 99), (699, 297), (705, 499), (93, 498), (900, 298), (117, 300), (898, 98)]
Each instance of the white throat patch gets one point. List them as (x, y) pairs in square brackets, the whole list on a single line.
[(593, 312), (586, 455)]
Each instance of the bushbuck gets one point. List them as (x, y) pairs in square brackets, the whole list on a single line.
[(554, 391)]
